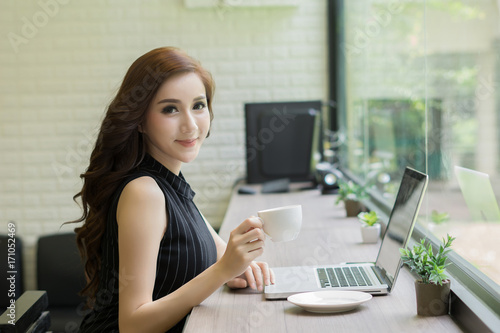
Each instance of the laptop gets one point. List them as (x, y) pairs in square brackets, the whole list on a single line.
[(376, 278), (478, 194)]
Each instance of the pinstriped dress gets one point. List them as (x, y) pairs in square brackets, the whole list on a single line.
[(186, 249)]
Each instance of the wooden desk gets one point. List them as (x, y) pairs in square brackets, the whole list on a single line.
[(327, 236)]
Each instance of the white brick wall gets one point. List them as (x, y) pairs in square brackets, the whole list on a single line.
[(56, 83)]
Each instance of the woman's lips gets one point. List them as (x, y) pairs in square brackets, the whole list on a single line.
[(187, 143)]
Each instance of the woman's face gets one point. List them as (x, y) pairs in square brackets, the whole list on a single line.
[(177, 121)]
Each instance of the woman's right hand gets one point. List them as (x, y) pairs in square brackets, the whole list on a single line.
[(246, 243)]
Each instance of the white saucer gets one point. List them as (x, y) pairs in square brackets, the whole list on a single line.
[(329, 301)]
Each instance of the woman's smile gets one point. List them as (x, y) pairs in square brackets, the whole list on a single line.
[(188, 143)]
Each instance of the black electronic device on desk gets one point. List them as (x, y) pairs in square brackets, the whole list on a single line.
[(327, 177), (246, 190), (276, 186), (282, 141)]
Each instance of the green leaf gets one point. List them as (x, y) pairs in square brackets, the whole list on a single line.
[(439, 218), (429, 266), (369, 218)]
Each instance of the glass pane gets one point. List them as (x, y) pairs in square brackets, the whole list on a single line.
[(463, 69), (421, 90)]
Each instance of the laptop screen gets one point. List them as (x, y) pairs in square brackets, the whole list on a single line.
[(401, 222), (478, 194)]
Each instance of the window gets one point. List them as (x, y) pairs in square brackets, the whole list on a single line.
[(418, 86)]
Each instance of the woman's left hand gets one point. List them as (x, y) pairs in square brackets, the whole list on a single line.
[(255, 276)]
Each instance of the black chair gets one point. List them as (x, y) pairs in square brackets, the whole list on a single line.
[(60, 272), (11, 270)]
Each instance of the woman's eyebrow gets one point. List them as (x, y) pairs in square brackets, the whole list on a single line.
[(200, 98), (173, 100), (169, 100)]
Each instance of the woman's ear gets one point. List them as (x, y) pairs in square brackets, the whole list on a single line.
[(139, 128)]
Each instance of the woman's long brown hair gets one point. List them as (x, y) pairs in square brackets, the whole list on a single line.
[(119, 148)]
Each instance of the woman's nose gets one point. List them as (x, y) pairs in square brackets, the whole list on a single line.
[(188, 123)]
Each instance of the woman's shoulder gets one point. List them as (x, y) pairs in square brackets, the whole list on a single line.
[(143, 188), (142, 200)]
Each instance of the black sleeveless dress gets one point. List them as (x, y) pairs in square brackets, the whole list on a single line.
[(186, 249)]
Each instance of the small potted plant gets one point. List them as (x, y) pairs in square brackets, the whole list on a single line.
[(370, 226), (351, 194), (433, 287)]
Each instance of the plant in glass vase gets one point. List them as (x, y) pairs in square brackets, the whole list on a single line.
[(433, 287)]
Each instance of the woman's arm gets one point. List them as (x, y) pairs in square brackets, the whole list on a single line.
[(255, 276), (142, 221)]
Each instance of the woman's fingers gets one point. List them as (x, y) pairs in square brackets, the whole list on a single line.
[(253, 249), (246, 245), (250, 278), (249, 241), (237, 283), (253, 235), (250, 223), (258, 274), (253, 275), (264, 268)]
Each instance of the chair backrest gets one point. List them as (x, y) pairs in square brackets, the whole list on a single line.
[(60, 269), (11, 269)]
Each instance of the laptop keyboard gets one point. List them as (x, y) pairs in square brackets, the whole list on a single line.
[(343, 277)]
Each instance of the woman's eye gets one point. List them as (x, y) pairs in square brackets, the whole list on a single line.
[(199, 106), (169, 109)]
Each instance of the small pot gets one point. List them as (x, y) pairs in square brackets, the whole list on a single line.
[(370, 234), (353, 207), (432, 299)]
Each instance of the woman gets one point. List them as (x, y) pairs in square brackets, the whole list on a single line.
[(150, 256)]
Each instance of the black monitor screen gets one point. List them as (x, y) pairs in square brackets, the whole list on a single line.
[(282, 139)]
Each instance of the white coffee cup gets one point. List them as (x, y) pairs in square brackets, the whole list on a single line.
[(282, 224)]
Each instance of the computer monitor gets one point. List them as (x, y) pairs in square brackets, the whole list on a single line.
[(282, 140), (478, 194)]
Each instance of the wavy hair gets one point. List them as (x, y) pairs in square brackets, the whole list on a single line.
[(120, 148)]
